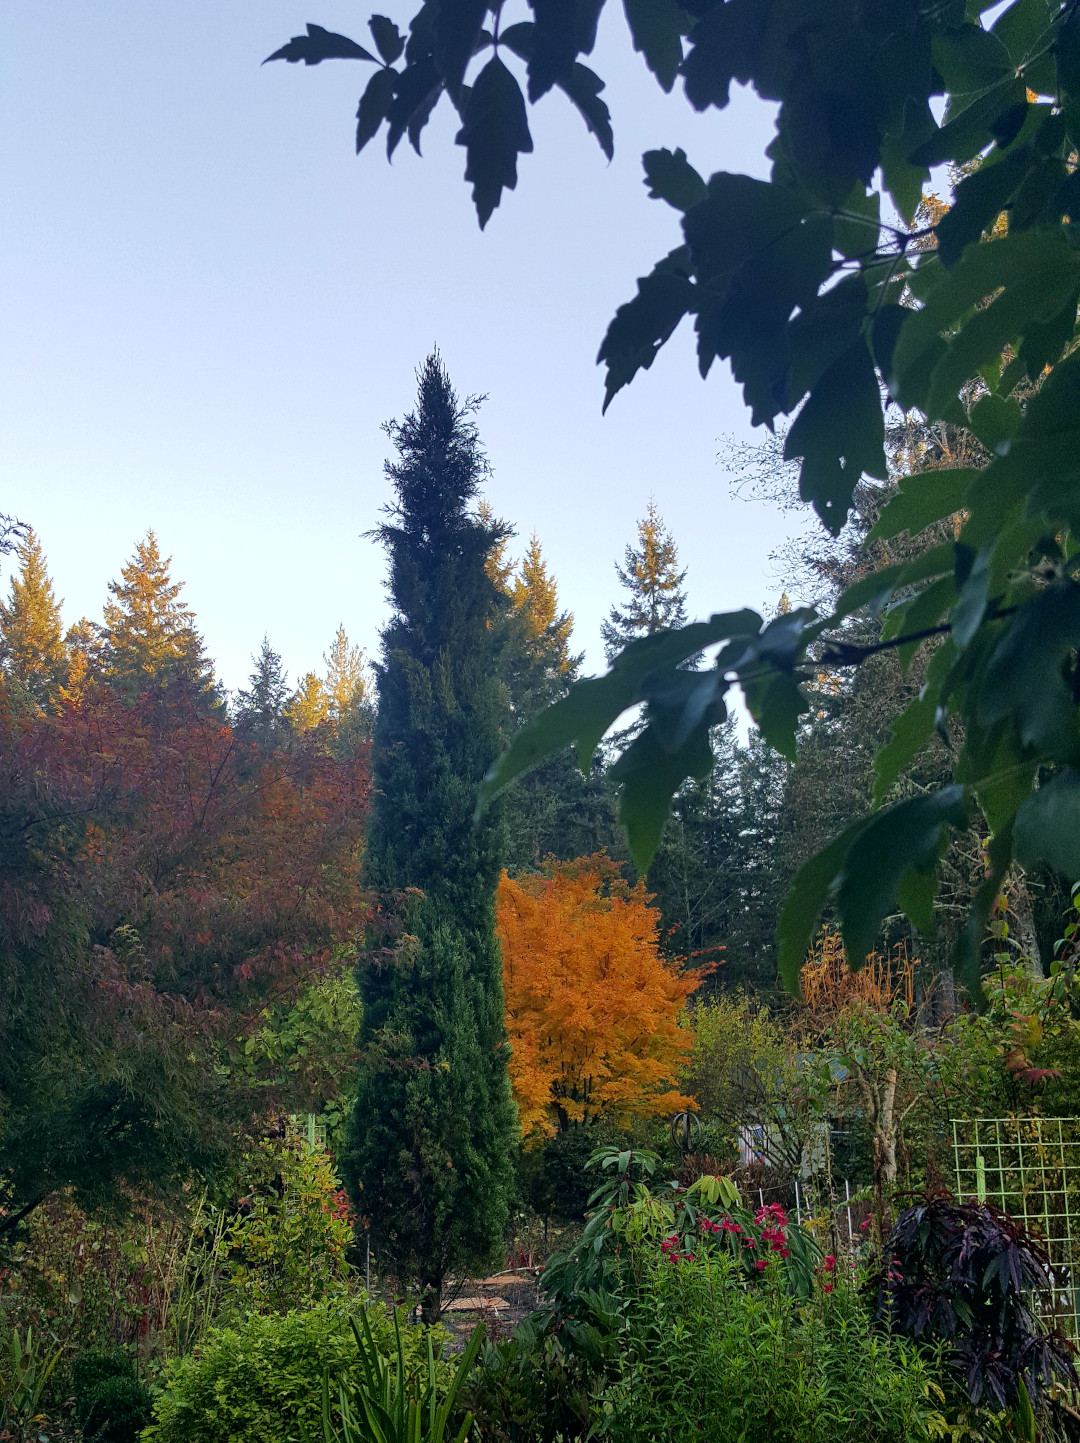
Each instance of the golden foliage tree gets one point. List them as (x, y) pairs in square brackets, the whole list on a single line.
[(31, 645), (592, 1007)]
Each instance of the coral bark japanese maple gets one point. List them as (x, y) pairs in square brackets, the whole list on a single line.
[(592, 1006)]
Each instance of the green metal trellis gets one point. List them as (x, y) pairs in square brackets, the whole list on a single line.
[(1030, 1168)]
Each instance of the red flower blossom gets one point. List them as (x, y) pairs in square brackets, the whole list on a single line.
[(761, 1265)]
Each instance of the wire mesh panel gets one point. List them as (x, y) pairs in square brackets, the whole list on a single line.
[(1029, 1167)]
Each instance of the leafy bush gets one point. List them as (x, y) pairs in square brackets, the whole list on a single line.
[(111, 1405), (967, 1274), (397, 1401), (705, 1354), (263, 1378), (25, 1370), (286, 1247)]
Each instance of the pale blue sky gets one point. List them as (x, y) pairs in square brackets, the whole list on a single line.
[(210, 304)]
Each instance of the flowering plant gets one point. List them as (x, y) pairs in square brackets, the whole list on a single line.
[(708, 1218)]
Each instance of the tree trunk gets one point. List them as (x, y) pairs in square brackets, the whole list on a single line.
[(431, 1301)]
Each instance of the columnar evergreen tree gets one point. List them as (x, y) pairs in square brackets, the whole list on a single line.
[(31, 642), (434, 1125), (655, 595), (260, 709), (149, 639)]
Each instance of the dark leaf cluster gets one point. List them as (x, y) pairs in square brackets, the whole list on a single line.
[(968, 1275)]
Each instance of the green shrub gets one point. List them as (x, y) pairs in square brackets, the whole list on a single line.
[(707, 1357), (261, 1380), (286, 1246), (111, 1405)]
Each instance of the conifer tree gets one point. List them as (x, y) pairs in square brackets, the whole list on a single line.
[(83, 646), (653, 582), (554, 811), (346, 686), (434, 1125), (149, 640), (260, 710), (31, 641), (310, 704), (544, 633)]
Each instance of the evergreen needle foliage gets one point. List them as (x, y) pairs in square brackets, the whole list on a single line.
[(434, 1124)]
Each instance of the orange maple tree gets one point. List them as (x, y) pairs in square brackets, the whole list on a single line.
[(592, 1007)]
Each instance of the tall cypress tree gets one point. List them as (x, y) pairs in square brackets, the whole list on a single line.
[(434, 1125)]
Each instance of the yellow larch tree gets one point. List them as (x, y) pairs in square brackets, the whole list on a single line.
[(592, 1007)]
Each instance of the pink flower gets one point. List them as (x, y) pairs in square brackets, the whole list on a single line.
[(826, 1287), (830, 1263), (771, 1212), (730, 1227), (761, 1265)]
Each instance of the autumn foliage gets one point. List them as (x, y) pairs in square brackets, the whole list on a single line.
[(592, 1007), (162, 883)]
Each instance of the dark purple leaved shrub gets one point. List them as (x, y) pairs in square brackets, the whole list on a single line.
[(969, 1275)]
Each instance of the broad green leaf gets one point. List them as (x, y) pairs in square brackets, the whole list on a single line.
[(917, 615), (915, 894), (649, 775), (554, 50), (707, 70), (904, 178), (776, 702), (806, 899), (494, 134), (374, 104), (1047, 827), (1024, 683), (839, 434), (980, 198), (1044, 341), (967, 955), (318, 45), (968, 613), (1047, 444), (922, 499), (994, 420), (904, 838), (858, 225), (740, 218), (670, 176), (678, 702), (969, 59), (657, 28), (595, 704), (913, 728), (876, 589), (823, 331), (641, 326), (457, 29), (1038, 271), (996, 114), (1024, 30), (389, 41), (416, 91), (749, 319), (583, 87)]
